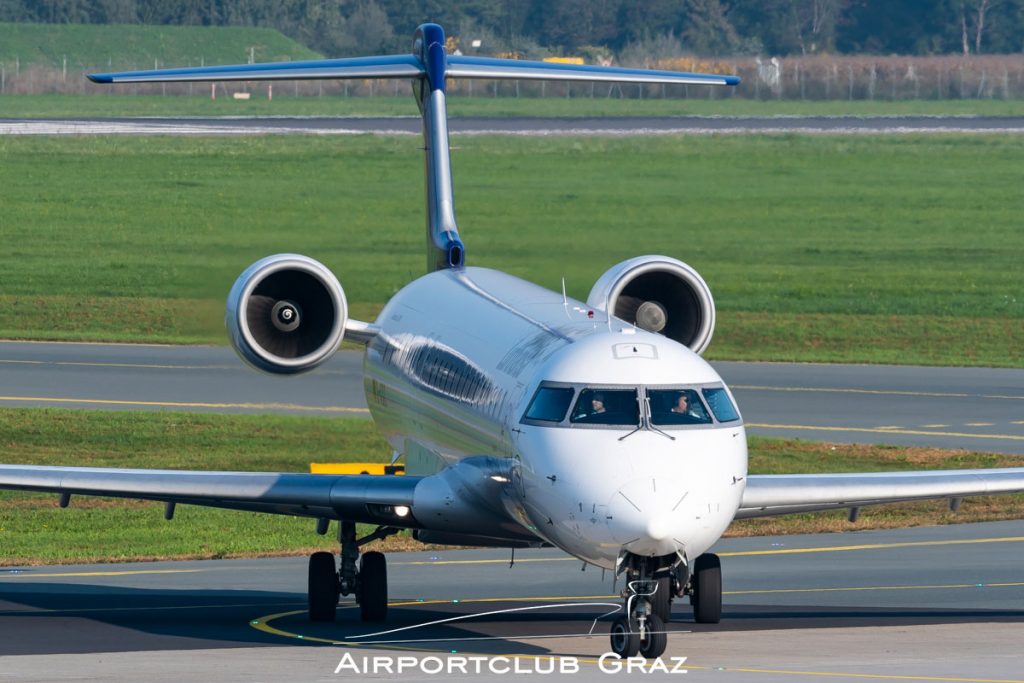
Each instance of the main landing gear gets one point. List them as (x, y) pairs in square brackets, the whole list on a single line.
[(651, 583), (369, 582)]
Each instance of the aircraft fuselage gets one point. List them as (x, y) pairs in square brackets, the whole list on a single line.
[(460, 355)]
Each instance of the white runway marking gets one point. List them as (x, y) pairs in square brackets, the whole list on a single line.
[(142, 127)]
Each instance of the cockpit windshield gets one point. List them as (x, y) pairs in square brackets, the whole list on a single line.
[(655, 407), (607, 407)]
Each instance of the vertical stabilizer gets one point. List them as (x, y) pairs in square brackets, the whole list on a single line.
[(444, 248)]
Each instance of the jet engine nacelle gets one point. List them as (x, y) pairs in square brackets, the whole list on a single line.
[(286, 314), (658, 294)]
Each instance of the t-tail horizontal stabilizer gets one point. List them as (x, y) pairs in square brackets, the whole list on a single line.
[(429, 66)]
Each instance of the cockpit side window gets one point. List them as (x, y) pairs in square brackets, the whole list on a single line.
[(606, 407), (550, 404), (721, 405), (677, 407)]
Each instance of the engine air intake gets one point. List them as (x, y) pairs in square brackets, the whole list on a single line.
[(658, 294), (286, 314)]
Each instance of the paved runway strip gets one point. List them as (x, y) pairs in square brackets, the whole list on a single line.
[(973, 408)]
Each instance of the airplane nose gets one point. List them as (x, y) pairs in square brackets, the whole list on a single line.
[(648, 516), (659, 528)]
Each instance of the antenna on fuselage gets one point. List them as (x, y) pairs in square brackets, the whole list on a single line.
[(429, 67)]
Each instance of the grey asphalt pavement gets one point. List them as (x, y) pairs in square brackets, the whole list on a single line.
[(972, 408), (940, 602)]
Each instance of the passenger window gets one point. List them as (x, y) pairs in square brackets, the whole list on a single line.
[(677, 407), (549, 404), (607, 407), (720, 404)]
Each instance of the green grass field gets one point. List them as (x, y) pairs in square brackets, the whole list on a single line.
[(111, 101), (138, 47), (34, 530), (858, 248)]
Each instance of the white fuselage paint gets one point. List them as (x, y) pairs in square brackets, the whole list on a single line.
[(458, 358)]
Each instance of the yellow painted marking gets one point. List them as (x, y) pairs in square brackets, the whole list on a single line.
[(177, 404), (875, 430), (263, 624), (375, 468), (6, 574), (115, 365), (148, 608), (854, 589), (978, 424), (934, 426), (882, 677), (1017, 422), (889, 428), (874, 546), (501, 561), (877, 392), (743, 553)]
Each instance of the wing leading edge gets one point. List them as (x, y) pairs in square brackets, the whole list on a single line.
[(783, 494)]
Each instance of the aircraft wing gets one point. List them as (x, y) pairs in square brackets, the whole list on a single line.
[(782, 494), (360, 498), (462, 499)]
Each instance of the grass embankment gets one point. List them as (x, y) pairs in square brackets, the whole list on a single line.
[(865, 249), (113, 101), (124, 47), (34, 530)]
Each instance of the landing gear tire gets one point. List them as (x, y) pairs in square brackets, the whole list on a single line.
[(707, 589), (624, 639), (655, 640), (661, 601), (323, 587), (373, 587)]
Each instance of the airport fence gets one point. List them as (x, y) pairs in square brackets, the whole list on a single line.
[(808, 78)]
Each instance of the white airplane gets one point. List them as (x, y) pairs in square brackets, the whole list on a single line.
[(526, 418)]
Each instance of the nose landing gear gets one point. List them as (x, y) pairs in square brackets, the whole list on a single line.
[(640, 630), (648, 594)]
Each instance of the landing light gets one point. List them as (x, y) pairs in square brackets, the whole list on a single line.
[(401, 510), (499, 478)]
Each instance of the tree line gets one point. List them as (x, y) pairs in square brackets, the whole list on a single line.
[(630, 30)]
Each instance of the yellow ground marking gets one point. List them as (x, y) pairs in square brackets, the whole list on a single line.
[(1017, 422), (858, 589), (873, 546), (877, 430), (978, 424), (877, 392), (180, 404), (263, 624), (747, 553), (146, 608), (934, 426), (155, 366), (21, 573)]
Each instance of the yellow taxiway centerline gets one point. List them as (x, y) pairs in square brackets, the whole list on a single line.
[(179, 404), (886, 430), (877, 392)]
